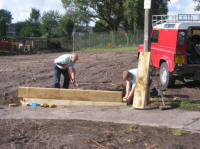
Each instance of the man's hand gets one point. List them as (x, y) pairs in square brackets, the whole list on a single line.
[(66, 66), (72, 81)]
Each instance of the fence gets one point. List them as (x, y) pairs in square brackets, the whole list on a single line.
[(104, 40)]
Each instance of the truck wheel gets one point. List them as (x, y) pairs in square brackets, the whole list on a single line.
[(166, 78)]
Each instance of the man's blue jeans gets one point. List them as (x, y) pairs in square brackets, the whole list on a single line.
[(57, 74)]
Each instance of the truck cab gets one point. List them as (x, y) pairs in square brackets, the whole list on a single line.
[(175, 47)]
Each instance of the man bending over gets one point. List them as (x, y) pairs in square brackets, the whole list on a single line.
[(61, 66)]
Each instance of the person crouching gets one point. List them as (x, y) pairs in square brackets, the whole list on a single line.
[(130, 78)]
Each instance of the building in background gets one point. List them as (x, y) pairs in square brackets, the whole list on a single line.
[(10, 30)]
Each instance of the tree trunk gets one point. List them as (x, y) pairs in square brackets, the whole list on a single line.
[(114, 43), (127, 38)]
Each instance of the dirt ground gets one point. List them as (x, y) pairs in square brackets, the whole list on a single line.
[(105, 68), (100, 67), (76, 134)]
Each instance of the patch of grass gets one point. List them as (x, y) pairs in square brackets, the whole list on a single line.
[(188, 105), (4, 51), (132, 127), (191, 105), (110, 49), (177, 132)]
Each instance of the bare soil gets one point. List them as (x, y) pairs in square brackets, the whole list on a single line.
[(76, 134), (103, 71)]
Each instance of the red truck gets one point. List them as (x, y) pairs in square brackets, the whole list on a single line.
[(175, 47)]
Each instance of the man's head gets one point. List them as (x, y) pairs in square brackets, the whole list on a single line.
[(127, 76), (74, 57)]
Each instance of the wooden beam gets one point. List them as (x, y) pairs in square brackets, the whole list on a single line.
[(69, 94), (71, 102), (141, 93)]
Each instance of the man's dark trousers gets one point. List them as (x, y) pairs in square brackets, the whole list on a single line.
[(57, 74)]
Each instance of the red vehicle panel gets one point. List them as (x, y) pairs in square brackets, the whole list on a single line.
[(175, 50)]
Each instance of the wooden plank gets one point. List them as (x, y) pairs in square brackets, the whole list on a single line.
[(72, 102), (140, 98), (69, 94)]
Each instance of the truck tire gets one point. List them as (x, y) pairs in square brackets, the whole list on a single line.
[(166, 78)]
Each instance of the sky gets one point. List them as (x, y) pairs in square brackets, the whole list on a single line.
[(20, 9)]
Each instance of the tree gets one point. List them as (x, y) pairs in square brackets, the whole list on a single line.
[(100, 26), (109, 11), (2, 28), (19, 26), (134, 14), (5, 15), (50, 22), (34, 16), (197, 8), (66, 25), (31, 29)]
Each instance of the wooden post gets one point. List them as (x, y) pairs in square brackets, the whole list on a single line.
[(141, 93)]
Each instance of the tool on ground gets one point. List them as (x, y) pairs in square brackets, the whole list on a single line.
[(44, 105), (52, 106), (160, 92), (164, 106), (34, 104)]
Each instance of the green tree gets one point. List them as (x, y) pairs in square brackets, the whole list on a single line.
[(66, 25), (35, 15), (19, 26), (31, 29), (50, 21), (2, 28), (197, 8), (100, 26), (134, 14), (5, 15), (109, 11)]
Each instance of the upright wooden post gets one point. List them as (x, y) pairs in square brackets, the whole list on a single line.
[(141, 93)]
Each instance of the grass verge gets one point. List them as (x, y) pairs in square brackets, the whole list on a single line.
[(187, 105), (110, 49)]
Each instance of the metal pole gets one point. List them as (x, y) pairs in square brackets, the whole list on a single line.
[(73, 43), (146, 31)]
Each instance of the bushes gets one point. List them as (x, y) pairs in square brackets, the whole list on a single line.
[(54, 44)]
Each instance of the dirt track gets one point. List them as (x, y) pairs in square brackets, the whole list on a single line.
[(37, 71)]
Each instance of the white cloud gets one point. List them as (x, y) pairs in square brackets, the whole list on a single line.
[(190, 8), (21, 9), (173, 2), (1, 4), (178, 6)]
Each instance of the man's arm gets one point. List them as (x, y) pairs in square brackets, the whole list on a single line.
[(131, 93), (127, 89), (73, 75)]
